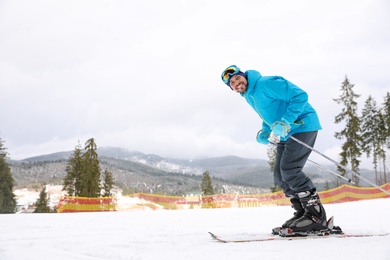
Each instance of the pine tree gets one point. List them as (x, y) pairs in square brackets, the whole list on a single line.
[(108, 183), (381, 151), (386, 115), (7, 196), (42, 202), (386, 120), (72, 180), (351, 133), (207, 186), (83, 172), (90, 174), (271, 151), (373, 133)]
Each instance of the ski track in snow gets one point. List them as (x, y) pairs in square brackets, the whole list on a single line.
[(183, 234)]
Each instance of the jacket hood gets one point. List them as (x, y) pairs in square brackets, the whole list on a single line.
[(252, 77)]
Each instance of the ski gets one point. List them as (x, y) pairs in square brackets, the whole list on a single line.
[(289, 238), (280, 233)]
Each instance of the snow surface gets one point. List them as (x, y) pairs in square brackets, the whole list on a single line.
[(182, 234)]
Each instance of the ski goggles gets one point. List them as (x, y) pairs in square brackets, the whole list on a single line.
[(229, 72)]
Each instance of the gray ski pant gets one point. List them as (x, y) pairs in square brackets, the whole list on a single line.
[(291, 157)]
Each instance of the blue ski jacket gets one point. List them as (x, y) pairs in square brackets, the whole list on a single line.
[(274, 98)]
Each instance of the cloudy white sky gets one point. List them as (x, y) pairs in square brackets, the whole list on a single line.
[(145, 75)]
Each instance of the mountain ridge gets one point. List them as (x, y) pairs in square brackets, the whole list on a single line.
[(132, 169)]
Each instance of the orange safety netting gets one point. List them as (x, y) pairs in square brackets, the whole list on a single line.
[(347, 193), (340, 194), (83, 204)]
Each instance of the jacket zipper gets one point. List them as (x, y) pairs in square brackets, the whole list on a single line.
[(258, 112)]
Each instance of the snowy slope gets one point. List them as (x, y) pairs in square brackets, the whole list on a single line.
[(182, 234)]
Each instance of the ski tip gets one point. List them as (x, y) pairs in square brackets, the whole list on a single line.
[(214, 236)]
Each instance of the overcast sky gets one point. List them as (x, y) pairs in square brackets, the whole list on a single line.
[(145, 75)]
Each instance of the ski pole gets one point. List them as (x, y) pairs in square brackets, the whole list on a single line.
[(326, 169), (329, 170), (340, 165)]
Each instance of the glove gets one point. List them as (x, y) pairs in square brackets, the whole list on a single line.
[(262, 137), (281, 128)]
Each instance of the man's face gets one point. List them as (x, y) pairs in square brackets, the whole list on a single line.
[(238, 83)]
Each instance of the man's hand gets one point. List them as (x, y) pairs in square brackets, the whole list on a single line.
[(281, 128), (262, 137)]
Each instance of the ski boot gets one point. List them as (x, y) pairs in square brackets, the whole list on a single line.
[(314, 218), (299, 211), (329, 231)]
